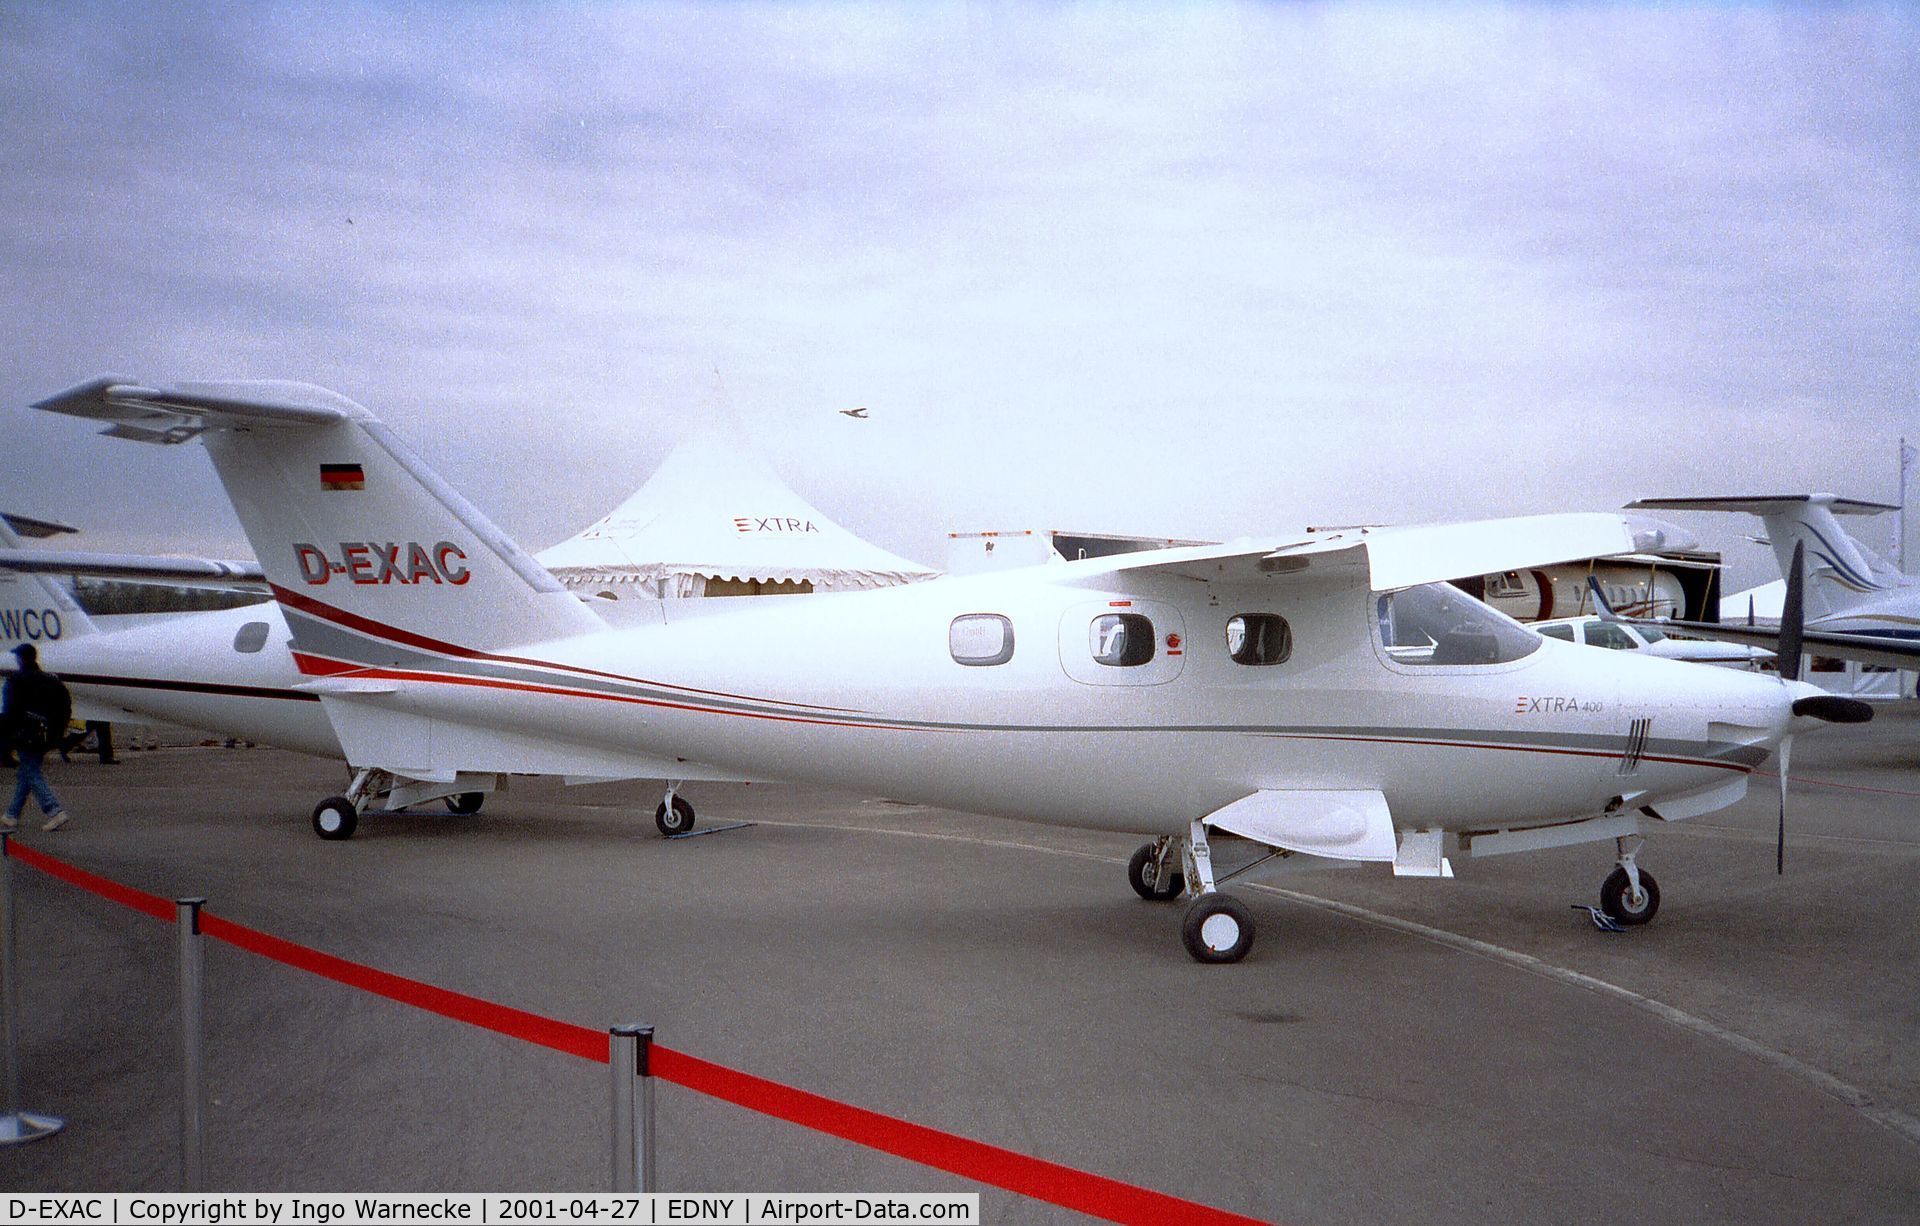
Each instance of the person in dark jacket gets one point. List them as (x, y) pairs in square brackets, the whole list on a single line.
[(34, 710)]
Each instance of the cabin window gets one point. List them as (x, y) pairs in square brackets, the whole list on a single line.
[(1610, 636), (1122, 640), (1438, 624), (250, 637), (1259, 638), (980, 639), (1563, 633)]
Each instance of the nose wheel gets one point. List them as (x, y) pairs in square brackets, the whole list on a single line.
[(1623, 902), (674, 816), (1629, 894)]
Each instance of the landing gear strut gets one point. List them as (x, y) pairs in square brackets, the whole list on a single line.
[(1629, 894), (1216, 927)]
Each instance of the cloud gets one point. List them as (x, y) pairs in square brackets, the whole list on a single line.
[(1195, 271)]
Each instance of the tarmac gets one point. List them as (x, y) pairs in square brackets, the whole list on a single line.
[(1442, 1051)]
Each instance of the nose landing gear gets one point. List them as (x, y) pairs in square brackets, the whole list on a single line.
[(1629, 894)]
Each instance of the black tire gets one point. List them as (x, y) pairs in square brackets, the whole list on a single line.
[(466, 804), (335, 818), (1614, 898), (1137, 869), (677, 822), (1217, 928)]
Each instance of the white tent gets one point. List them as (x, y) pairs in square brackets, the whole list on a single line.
[(714, 520)]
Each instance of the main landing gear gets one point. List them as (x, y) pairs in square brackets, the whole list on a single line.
[(1217, 927), (337, 817), (1629, 894)]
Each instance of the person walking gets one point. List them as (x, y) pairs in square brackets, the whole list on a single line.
[(34, 709)]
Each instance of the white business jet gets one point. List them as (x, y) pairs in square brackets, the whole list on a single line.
[(1322, 698), (1857, 606)]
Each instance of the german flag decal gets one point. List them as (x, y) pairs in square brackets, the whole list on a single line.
[(342, 477)]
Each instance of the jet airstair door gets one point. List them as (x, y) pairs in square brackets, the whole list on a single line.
[(1123, 642)]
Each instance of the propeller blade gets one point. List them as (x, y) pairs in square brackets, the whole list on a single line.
[(1780, 845), (1793, 618)]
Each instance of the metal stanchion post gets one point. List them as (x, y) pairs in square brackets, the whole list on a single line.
[(193, 1172), (16, 1126), (631, 1052)]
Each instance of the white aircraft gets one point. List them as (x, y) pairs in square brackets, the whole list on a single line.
[(1324, 699), (1650, 636), (1857, 606)]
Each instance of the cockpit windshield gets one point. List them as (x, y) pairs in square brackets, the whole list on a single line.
[(1440, 624)]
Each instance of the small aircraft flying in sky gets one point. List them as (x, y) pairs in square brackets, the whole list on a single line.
[(1322, 699)]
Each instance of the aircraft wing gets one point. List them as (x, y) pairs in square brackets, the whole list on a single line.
[(1882, 649), (178, 572), (1390, 558), (179, 412)]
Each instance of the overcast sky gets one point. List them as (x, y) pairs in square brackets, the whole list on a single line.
[(1191, 270)]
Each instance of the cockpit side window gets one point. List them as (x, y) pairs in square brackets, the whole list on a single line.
[(1563, 633), (1438, 624), (1610, 636)]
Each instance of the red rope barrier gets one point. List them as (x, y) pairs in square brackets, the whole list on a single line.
[(1095, 1195), (141, 901)]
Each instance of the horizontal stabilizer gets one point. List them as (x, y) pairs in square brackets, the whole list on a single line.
[(1765, 504), (27, 525), (135, 568), (179, 412), (1340, 825)]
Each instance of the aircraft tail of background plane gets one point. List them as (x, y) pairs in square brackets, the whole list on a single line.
[(35, 608), (1841, 572), (375, 560)]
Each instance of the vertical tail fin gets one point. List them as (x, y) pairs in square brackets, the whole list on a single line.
[(1841, 573), (373, 557)]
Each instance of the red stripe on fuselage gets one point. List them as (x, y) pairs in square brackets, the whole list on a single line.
[(374, 629), (318, 666)]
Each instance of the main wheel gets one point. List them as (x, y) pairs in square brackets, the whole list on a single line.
[(678, 821), (1616, 897), (335, 818), (466, 804), (1139, 870), (1217, 928)]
